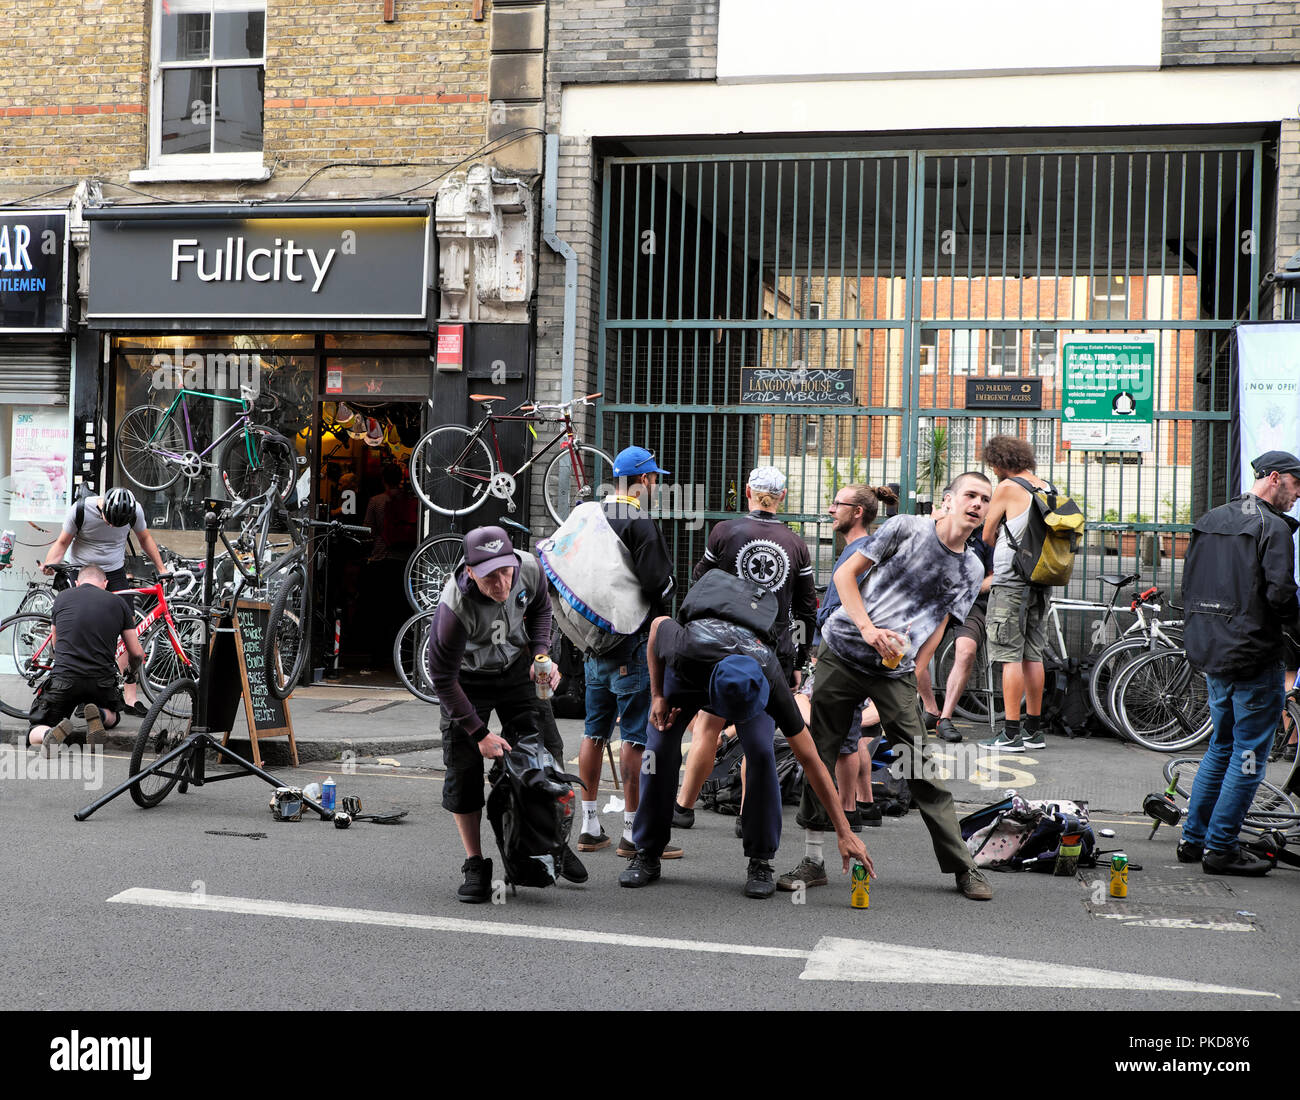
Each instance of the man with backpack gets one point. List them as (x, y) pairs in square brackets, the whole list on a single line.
[(617, 679), (493, 620), (712, 664), (1017, 629), (1239, 593), (897, 592)]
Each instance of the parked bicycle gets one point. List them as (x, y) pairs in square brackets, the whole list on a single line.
[(156, 446), (454, 470), (1270, 808)]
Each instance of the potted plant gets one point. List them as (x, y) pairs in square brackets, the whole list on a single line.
[(1110, 539), (931, 466), (1146, 541), (1174, 543)]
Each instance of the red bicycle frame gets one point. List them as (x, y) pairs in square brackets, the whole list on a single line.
[(159, 609)]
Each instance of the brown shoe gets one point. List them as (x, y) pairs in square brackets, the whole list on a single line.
[(974, 885), (54, 738), (627, 850), (95, 733), (590, 842)]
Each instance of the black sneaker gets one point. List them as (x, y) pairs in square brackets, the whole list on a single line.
[(642, 871), (1033, 739), (948, 730), (758, 880), (682, 819), (571, 867), (1189, 851), (1234, 862), (477, 887), (740, 832), (871, 815), (931, 720), (809, 872), (854, 819)]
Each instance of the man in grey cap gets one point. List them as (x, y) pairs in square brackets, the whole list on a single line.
[(493, 619), (1239, 592)]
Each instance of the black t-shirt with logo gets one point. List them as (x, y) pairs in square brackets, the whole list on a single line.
[(87, 624)]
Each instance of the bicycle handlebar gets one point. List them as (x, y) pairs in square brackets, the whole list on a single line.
[(335, 525), (563, 406)]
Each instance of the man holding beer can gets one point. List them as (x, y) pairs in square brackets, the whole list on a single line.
[(493, 621)]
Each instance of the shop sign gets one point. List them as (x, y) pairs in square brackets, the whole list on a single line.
[(800, 385), (273, 267), (34, 271), (1108, 393)]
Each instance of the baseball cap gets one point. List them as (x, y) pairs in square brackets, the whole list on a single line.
[(488, 548), (767, 479), (1280, 461), (635, 461), (738, 690)]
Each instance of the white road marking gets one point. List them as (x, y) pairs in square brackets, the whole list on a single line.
[(833, 959), (841, 960)]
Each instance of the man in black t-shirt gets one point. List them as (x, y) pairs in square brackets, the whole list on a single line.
[(88, 620), (713, 665)]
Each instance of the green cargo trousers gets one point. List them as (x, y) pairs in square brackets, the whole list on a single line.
[(838, 690)]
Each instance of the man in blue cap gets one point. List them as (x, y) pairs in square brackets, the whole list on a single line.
[(713, 665), (618, 683)]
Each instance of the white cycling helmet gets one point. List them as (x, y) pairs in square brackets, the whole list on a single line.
[(118, 507)]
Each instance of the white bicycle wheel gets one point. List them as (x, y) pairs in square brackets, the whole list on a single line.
[(1161, 702), (451, 470)]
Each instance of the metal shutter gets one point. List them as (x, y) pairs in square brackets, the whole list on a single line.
[(36, 376)]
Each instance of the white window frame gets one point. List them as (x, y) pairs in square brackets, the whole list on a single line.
[(1038, 338), (194, 166), (970, 352), (928, 353), (995, 367)]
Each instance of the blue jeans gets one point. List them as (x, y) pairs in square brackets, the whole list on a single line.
[(622, 688), (1245, 715)]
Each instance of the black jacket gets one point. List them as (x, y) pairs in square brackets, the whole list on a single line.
[(650, 562), (1239, 588)]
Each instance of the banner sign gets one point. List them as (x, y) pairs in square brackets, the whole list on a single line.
[(40, 464), (34, 271), (285, 268), (1268, 392), (1108, 393), (796, 386)]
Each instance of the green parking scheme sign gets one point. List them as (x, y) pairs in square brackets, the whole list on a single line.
[(1108, 393)]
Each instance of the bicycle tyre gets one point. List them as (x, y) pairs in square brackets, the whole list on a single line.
[(1291, 783), (138, 452), (21, 672), (1162, 703), (1110, 662), (1270, 806), (272, 462), (597, 469), (167, 724), (38, 601), (410, 649), (971, 705), (428, 568), (284, 649), (431, 476), (161, 664)]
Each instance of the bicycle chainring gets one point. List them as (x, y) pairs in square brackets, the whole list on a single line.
[(191, 464), (502, 486)]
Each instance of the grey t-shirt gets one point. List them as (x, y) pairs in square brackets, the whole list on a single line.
[(915, 581), (98, 543)]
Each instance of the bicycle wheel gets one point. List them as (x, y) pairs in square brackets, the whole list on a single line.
[(25, 661), (284, 649), (1270, 806), (162, 665), (38, 601), (410, 656), (597, 471), (166, 725), (1162, 703), (1112, 660), (973, 704), (144, 439), (451, 470), (271, 461), (1289, 770), (429, 567)]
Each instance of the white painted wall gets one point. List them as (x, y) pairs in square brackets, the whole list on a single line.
[(817, 39)]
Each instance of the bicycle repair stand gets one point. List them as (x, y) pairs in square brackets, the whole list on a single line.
[(192, 752)]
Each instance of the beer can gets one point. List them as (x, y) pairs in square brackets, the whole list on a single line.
[(6, 548), (1119, 875), (542, 666), (859, 886)]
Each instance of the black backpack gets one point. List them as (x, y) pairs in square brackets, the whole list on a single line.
[(1067, 707), (721, 791), (720, 595), (530, 807)]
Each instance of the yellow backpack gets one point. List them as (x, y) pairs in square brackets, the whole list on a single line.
[(1046, 553)]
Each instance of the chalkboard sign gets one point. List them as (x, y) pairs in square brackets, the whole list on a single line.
[(238, 671)]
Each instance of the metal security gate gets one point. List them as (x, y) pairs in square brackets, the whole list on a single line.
[(824, 313)]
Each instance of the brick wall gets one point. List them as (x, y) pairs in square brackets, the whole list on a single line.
[(341, 84), (611, 40), (1198, 33)]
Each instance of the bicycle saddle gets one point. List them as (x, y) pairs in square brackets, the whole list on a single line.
[(486, 397), (1119, 579)]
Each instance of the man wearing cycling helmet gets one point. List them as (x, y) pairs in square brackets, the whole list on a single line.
[(95, 531)]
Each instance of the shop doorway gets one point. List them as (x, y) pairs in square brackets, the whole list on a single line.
[(363, 478)]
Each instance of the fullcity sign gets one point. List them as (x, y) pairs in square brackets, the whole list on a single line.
[(342, 267), (34, 271)]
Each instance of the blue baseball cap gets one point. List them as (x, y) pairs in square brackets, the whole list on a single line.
[(635, 461), (738, 690)]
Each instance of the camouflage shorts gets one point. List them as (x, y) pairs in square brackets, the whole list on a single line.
[(1017, 623)]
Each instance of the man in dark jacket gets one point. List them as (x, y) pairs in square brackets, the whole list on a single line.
[(1239, 591), (493, 620), (618, 682)]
